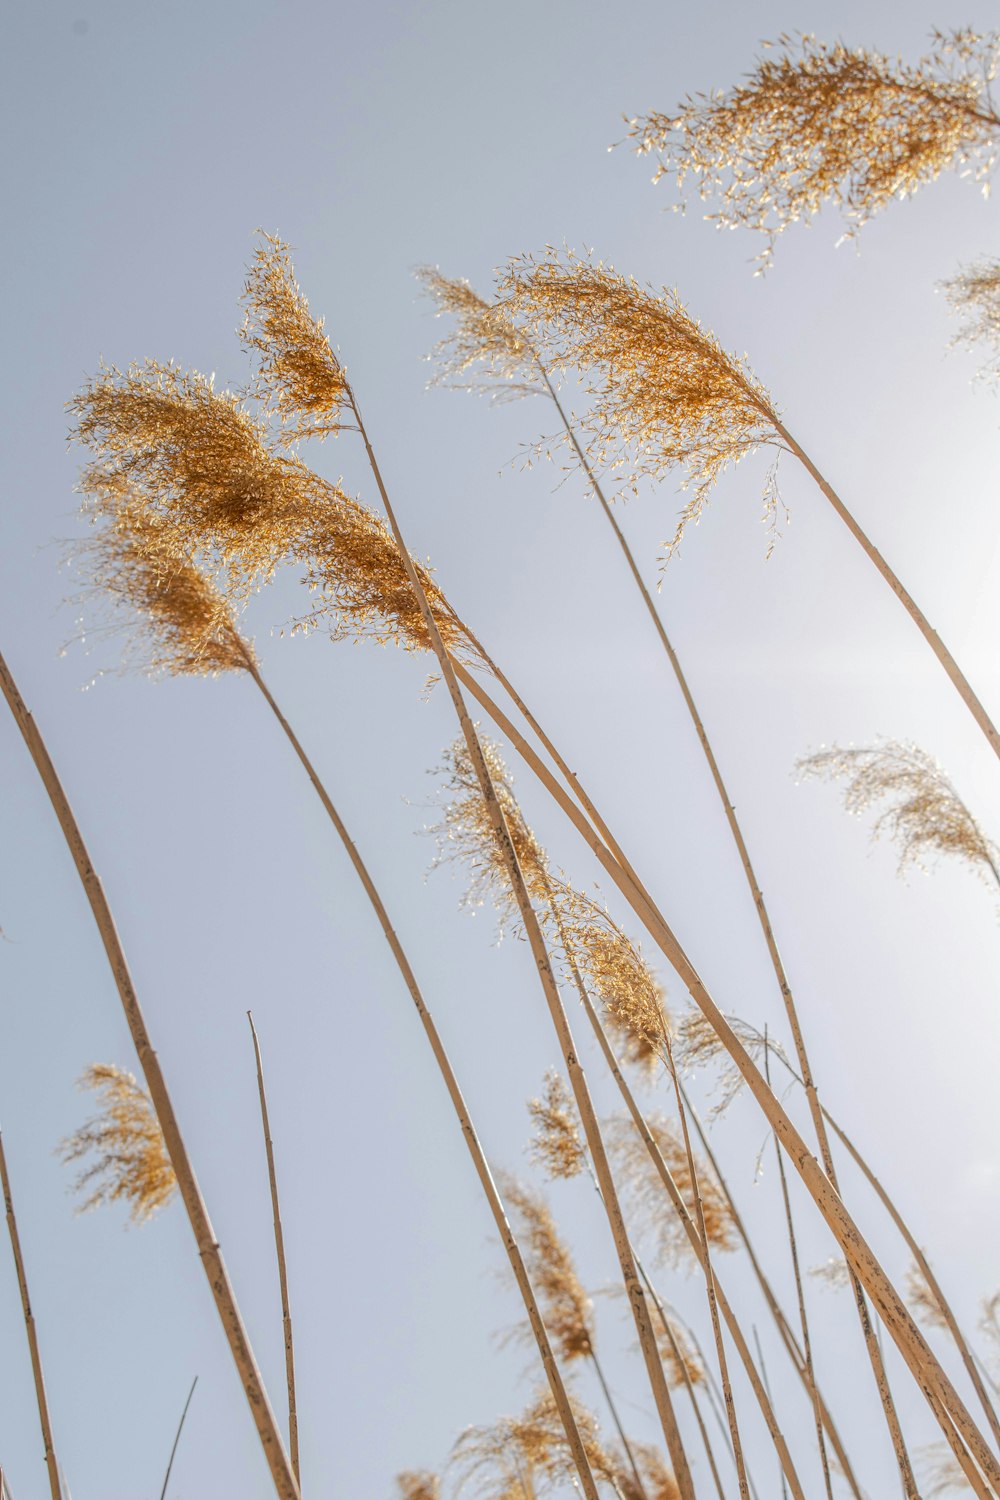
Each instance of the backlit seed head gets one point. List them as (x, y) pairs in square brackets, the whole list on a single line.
[(122, 1146)]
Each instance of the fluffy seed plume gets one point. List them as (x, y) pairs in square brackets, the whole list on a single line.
[(940, 1471), (645, 1194), (199, 458), (556, 1144), (298, 373), (834, 1272), (664, 393), (617, 974), (923, 1303), (485, 351), (565, 1305), (925, 816), (418, 1485), (657, 1481), (122, 1146), (178, 621), (525, 1457), (683, 1361), (698, 1046), (974, 294), (817, 123)]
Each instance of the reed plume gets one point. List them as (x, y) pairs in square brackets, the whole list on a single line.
[(925, 816), (415, 1484), (643, 1188), (941, 1471), (566, 1308), (524, 1457), (974, 294), (297, 372), (698, 1045), (820, 123), (122, 1147), (556, 1144), (664, 393), (485, 350), (923, 1303)]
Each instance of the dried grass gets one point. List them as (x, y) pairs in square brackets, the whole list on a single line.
[(974, 294), (128, 1158), (556, 1144), (521, 1458), (485, 351), (418, 1485), (643, 1191), (565, 1306), (922, 1302), (697, 1045)]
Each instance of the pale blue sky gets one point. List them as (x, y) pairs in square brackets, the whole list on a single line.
[(145, 144)]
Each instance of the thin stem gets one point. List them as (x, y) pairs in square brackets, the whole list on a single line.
[(197, 1211), (767, 1387), (560, 1020), (177, 1438), (29, 1328), (485, 1175), (279, 1246), (612, 1408)]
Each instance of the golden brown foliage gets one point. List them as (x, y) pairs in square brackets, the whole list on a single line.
[(975, 295), (485, 350), (297, 370), (556, 1143), (926, 816), (684, 1361), (128, 1157), (922, 1301), (645, 1194), (418, 1485), (657, 1481), (820, 123), (834, 1272), (698, 1045), (941, 1471), (617, 973), (521, 1458), (565, 1305), (664, 392), (182, 624)]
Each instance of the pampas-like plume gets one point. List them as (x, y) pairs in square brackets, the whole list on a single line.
[(941, 1471), (923, 1303), (975, 295), (698, 1045), (926, 816), (824, 123), (664, 392), (643, 1188), (521, 1458), (297, 370), (556, 1143), (485, 350), (122, 1145), (565, 1305), (418, 1485)]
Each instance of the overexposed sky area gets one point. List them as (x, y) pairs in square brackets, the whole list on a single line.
[(144, 146)]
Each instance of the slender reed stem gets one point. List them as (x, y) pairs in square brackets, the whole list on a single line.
[(29, 1328), (944, 656), (612, 1408), (279, 1246), (767, 1387), (177, 1438), (208, 1246), (560, 1020)]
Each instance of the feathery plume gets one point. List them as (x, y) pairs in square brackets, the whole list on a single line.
[(128, 1157), (485, 350), (565, 1305), (834, 1272), (974, 294), (617, 973), (643, 1189), (418, 1485), (664, 393), (657, 1481), (520, 1458), (926, 817), (697, 1045), (556, 1143), (941, 1471), (922, 1301), (298, 374), (179, 621), (823, 123), (682, 1361)]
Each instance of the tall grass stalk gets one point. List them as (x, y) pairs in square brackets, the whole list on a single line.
[(279, 1247), (177, 1438), (208, 1247), (588, 1116), (29, 1327)]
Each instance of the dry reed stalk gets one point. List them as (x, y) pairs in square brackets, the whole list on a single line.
[(681, 1361), (279, 1246), (51, 1464), (177, 1438), (822, 123), (208, 1247)]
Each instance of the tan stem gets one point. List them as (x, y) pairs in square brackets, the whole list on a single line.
[(469, 1134), (197, 1212), (926, 1370), (279, 1246), (177, 1438), (29, 1328), (560, 1021)]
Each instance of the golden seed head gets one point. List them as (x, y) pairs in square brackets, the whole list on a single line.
[(298, 374), (940, 1471), (556, 1144), (682, 1361), (975, 295), (485, 350), (664, 393), (698, 1045), (644, 1192), (834, 1272), (657, 1481), (181, 622), (925, 816), (565, 1305), (127, 1156), (818, 123), (922, 1301), (418, 1485), (516, 1457)]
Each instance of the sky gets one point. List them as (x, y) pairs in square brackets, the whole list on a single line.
[(146, 146)]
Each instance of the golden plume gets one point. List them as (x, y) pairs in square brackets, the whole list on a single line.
[(664, 393), (298, 373), (697, 1045), (941, 1471), (682, 1361), (485, 350), (926, 816), (418, 1485), (642, 1187), (565, 1305), (922, 1302), (818, 123), (556, 1144), (975, 295), (128, 1157), (518, 1458)]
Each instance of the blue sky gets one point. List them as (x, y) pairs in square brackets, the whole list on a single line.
[(146, 144)]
